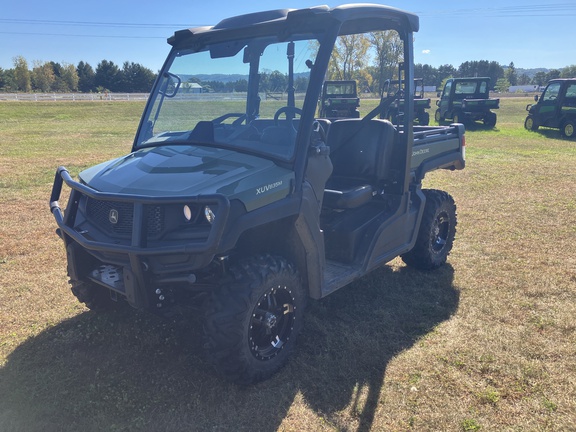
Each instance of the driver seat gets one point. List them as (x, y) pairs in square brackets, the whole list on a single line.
[(361, 153)]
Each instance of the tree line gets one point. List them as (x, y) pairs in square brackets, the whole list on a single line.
[(63, 77), (368, 59), (373, 58), (501, 77)]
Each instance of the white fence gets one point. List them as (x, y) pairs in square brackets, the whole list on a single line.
[(71, 97)]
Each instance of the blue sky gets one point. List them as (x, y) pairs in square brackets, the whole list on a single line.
[(529, 33)]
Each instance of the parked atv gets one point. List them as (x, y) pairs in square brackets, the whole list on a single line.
[(339, 100), (256, 205), (421, 104), (556, 108), (466, 100)]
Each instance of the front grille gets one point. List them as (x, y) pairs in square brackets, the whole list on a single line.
[(155, 218), (117, 217)]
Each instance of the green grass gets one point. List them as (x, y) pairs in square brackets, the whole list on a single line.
[(485, 343)]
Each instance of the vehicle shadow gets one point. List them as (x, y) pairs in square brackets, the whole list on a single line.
[(478, 126), (370, 322), (126, 370), (473, 126), (550, 133)]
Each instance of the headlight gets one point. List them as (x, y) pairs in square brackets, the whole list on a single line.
[(187, 213), (210, 216)]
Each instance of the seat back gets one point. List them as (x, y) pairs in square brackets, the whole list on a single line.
[(361, 151)]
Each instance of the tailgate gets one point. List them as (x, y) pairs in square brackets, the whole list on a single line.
[(480, 104), (437, 147)]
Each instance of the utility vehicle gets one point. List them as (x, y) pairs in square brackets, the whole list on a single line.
[(396, 110), (555, 109), (249, 206), (339, 100), (466, 100)]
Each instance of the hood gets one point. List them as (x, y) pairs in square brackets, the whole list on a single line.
[(192, 171)]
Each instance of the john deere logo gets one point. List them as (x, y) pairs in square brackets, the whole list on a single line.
[(113, 216)]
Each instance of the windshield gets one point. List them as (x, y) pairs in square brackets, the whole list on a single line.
[(341, 89), (551, 92), (470, 87), (246, 96)]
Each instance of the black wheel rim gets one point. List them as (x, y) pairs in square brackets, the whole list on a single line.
[(272, 323), (440, 232)]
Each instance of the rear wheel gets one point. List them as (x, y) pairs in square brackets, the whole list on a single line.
[(457, 117), (436, 233), (252, 320), (424, 119), (567, 129), (490, 120), (530, 124)]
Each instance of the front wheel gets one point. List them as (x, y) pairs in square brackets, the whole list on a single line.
[(438, 116), (94, 296), (529, 124), (252, 319), (568, 130), (436, 233)]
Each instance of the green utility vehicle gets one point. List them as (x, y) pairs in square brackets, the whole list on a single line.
[(466, 100), (339, 100), (396, 111), (555, 109), (248, 207)]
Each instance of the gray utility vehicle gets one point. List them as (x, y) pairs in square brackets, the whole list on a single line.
[(555, 109), (339, 100), (234, 200), (465, 100)]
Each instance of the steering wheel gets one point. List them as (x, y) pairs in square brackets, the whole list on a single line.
[(239, 120), (286, 109)]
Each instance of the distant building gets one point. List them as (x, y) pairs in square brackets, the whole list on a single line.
[(523, 88), (190, 87), (430, 89)]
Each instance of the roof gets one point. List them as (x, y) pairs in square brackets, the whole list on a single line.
[(191, 85), (471, 79), (563, 79), (352, 18)]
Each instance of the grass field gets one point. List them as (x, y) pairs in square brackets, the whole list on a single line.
[(486, 343)]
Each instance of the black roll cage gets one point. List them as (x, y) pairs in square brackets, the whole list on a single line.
[(326, 24)]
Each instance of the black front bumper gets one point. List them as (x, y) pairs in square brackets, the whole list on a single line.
[(133, 266)]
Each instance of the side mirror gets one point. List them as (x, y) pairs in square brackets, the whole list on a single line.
[(438, 94), (535, 98), (171, 85)]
